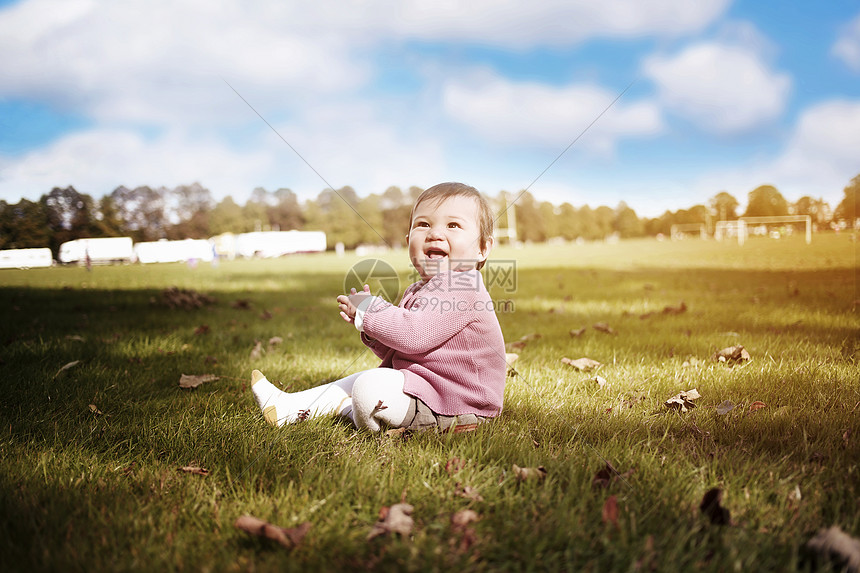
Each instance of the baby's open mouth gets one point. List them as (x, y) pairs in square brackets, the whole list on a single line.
[(434, 254)]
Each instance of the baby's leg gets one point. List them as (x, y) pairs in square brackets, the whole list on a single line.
[(377, 396), (281, 408)]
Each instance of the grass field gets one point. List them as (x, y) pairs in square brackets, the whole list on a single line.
[(102, 490)]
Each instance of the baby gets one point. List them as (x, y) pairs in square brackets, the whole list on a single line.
[(443, 355)]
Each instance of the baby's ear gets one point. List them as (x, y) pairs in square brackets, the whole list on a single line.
[(485, 252)]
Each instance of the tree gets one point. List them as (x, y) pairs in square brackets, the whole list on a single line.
[(530, 225), (849, 207), (24, 225), (70, 215), (395, 212), (569, 223), (286, 213), (766, 201), (226, 217), (143, 211), (191, 207), (335, 213), (549, 217), (108, 222), (590, 228), (627, 224), (605, 218), (724, 206), (817, 209)]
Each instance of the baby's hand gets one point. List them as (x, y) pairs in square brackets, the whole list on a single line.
[(348, 304)]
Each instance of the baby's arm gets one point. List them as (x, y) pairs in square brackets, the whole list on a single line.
[(425, 325)]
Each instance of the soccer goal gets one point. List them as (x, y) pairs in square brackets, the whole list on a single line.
[(682, 231), (764, 226)]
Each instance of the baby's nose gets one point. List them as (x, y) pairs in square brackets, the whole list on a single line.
[(435, 233)]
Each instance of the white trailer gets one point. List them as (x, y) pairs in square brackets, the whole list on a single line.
[(102, 251), (269, 244), (25, 258), (165, 251)]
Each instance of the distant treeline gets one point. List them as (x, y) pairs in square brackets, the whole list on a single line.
[(190, 212)]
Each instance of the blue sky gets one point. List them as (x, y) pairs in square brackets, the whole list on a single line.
[(724, 96)]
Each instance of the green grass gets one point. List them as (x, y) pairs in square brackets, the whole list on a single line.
[(81, 491)]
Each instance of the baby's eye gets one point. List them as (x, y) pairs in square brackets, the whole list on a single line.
[(420, 224), (453, 225)]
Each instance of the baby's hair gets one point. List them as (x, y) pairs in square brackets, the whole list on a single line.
[(442, 191)]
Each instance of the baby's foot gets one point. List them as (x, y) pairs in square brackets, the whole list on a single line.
[(273, 402)]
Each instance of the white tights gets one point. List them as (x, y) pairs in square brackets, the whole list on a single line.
[(368, 398)]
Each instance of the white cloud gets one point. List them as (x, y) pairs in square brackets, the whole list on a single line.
[(847, 46), (819, 159), (99, 160), (721, 88), (549, 22), (162, 60), (536, 114), (347, 146)]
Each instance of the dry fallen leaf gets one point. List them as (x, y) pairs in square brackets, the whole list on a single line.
[(521, 343), (461, 428), (583, 364), (525, 474), (398, 519), (202, 329), (603, 327), (601, 381), (838, 547), (189, 299), (725, 407), (683, 401), (193, 381), (610, 511), (288, 537), (468, 492), (195, 470), (460, 524), (681, 308), (463, 518), (577, 332), (732, 354), (94, 409), (68, 366), (395, 432), (757, 405), (257, 351), (710, 506), (275, 341)]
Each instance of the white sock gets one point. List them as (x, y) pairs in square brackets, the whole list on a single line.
[(281, 408)]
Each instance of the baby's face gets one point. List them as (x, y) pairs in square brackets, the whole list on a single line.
[(445, 236)]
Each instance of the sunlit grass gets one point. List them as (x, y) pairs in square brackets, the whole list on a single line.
[(91, 491)]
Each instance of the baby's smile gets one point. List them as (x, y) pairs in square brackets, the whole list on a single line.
[(434, 253)]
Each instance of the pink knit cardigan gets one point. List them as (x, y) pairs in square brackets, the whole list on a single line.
[(445, 338)]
